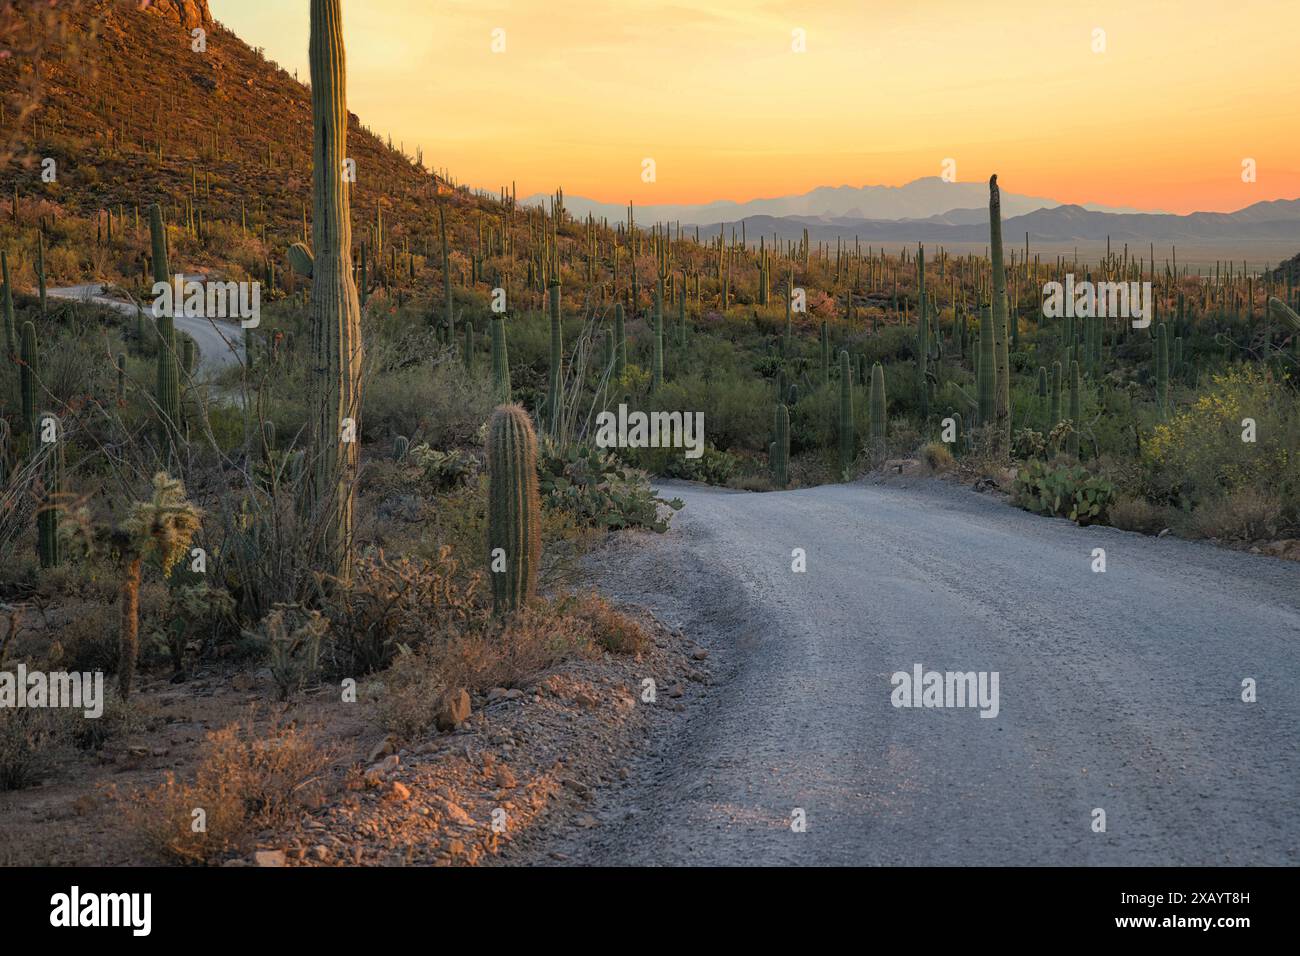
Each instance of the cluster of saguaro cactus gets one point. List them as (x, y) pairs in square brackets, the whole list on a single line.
[(500, 362), (514, 509), (848, 440), (335, 312), (877, 404), (780, 451)]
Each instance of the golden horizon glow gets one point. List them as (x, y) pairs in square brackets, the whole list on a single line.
[(584, 91)]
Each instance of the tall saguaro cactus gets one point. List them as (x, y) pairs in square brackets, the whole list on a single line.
[(848, 440), (555, 380), (514, 509), (1002, 358), (1076, 410), (10, 330), (657, 363), (500, 362), (879, 419), (620, 341), (335, 312), (1162, 370), (781, 447), (987, 374)]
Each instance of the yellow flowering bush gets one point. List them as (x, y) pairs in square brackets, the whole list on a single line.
[(1205, 450)]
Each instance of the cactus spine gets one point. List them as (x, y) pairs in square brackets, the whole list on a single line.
[(514, 520), (335, 312), (780, 451), (879, 421)]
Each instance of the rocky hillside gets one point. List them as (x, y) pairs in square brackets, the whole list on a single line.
[(133, 110)]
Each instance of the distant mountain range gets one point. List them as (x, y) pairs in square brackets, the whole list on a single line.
[(920, 199), (1275, 220)]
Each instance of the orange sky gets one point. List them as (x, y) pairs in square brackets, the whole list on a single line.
[(712, 91)]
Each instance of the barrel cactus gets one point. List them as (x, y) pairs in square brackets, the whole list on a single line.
[(514, 509)]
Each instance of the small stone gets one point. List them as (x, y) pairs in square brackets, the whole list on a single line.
[(623, 773), (453, 710), (699, 654), (586, 821), (382, 749), (321, 853), (384, 767), (675, 691), (268, 858), (456, 814), (400, 791), (505, 779)]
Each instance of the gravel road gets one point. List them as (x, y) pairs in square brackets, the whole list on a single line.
[(1119, 690), (220, 343)]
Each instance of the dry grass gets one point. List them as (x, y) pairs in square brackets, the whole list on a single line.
[(1247, 514), (937, 458), (243, 782), (504, 653), (1137, 514)]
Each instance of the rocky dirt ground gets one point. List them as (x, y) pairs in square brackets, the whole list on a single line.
[(526, 763)]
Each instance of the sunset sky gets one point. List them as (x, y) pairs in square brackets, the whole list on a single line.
[(714, 93)]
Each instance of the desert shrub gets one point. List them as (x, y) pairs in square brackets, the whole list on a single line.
[(508, 652), (1244, 514), (737, 405), (393, 605), (598, 489), (713, 467), (1130, 513), (1063, 490), (290, 637), (243, 782), (937, 457), (29, 741), (443, 470), (1198, 454)]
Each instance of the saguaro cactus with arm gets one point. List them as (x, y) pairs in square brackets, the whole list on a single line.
[(335, 313)]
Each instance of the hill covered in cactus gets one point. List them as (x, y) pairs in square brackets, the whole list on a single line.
[(132, 114)]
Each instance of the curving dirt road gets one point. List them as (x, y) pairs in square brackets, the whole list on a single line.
[(1119, 691), (220, 344)]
